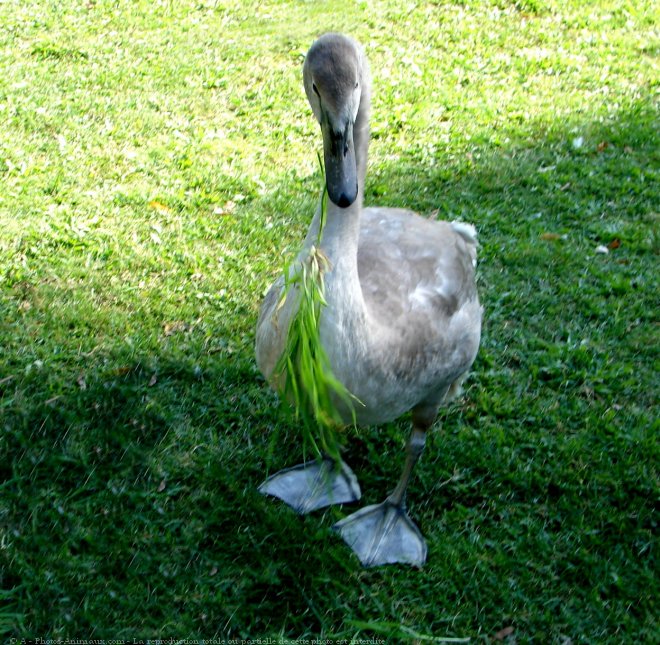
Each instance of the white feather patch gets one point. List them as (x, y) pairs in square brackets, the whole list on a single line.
[(466, 231)]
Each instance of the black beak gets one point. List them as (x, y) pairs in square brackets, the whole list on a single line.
[(340, 168)]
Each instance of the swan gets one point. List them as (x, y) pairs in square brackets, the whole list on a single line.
[(402, 321)]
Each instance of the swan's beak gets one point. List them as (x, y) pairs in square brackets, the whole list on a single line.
[(340, 167)]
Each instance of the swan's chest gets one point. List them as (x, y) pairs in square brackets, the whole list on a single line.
[(390, 370), (406, 324)]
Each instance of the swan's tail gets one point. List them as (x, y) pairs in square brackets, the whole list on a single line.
[(469, 235), (466, 231)]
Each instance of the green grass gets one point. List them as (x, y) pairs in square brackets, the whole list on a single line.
[(158, 165)]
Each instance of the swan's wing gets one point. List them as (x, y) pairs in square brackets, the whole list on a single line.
[(418, 281), (414, 268)]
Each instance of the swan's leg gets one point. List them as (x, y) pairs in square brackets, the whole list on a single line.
[(383, 533), (313, 485), (414, 450)]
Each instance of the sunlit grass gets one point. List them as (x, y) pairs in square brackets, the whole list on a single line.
[(158, 167)]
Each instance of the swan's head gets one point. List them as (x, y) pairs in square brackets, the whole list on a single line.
[(333, 73)]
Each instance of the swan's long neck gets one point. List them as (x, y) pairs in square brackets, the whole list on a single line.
[(340, 237), (339, 240), (341, 231)]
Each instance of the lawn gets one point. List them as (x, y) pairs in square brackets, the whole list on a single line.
[(158, 167)]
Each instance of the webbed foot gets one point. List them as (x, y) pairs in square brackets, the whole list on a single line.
[(313, 485), (383, 534)]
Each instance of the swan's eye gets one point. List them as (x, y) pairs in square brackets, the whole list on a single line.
[(357, 84), (316, 90)]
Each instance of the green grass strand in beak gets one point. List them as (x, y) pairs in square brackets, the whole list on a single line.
[(309, 383)]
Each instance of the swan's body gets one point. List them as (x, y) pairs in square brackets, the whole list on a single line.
[(412, 329), (402, 323)]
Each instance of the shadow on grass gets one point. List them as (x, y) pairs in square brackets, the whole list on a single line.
[(131, 505)]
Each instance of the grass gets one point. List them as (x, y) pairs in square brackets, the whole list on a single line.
[(157, 168)]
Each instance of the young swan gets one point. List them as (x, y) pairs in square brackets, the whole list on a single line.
[(402, 323)]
